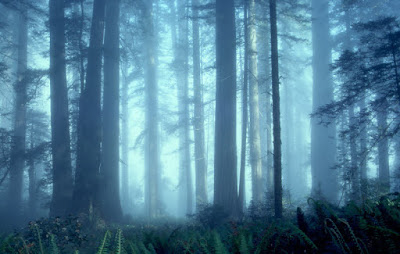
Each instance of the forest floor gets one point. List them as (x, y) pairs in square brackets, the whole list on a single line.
[(372, 227)]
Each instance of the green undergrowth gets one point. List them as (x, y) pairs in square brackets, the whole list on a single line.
[(371, 227)]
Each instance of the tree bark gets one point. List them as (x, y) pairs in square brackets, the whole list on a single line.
[(323, 144), (242, 177), (151, 115), (111, 205), (255, 146), (60, 135), (225, 171), (199, 143), (276, 112), (383, 149), (125, 197), (17, 159), (182, 68), (85, 195)]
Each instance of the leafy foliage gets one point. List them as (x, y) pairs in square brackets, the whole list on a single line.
[(372, 227)]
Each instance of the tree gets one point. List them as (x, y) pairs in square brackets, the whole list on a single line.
[(85, 195), (198, 123), (323, 145), (276, 112), (225, 176), (151, 100), (111, 206), (17, 160), (242, 180), (369, 76), (60, 137), (264, 81), (254, 132), (181, 48)]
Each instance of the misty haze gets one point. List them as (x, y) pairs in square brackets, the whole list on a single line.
[(199, 126)]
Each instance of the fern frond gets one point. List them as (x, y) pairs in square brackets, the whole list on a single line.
[(103, 248), (39, 239), (24, 245), (53, 245), (119, 248)]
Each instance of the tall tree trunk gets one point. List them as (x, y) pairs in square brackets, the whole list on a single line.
[(276, 112), (255, 147), (199, 143), (225, 171), (151, 98), (354, 168), (383, 148), (111, 207), (85, 195), (264, 82), (182, 51), (32, 180), (60, 136), (125, 200), (363, 153), (242, 177), (323, 145), (17, 159)]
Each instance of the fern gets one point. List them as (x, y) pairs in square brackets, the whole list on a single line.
[(151, 249), (24, 245), (217, 245), (142, 248), (103, 248), (119, 249), (243, 247), (336, 236), (53, 245), (37, 230), (353, 236)]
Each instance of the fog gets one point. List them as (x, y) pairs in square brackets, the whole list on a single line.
[(133, 110)]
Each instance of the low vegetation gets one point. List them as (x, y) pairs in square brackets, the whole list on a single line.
[(370, 227)]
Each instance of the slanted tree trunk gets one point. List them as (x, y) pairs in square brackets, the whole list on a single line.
[(198, 123), (255, 146), (151, 100), (17, 159), (60, 135), (276, 112), (225, 171), (111, 205), (85, 195), (323, 145)]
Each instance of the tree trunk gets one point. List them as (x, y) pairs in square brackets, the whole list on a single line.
[(276, 112), (255, 147), (383, 149), (60, 136), (151, 97), (17, 159), (85, 196), (225, 171), (199, 146), (32, 180), (125, 197), (242, 177), (182, 68), (264, 82), (323, 145), (111, 207)]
